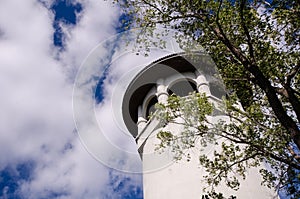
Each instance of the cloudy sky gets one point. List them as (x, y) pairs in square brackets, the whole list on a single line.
[(47, 150), (43, 43)]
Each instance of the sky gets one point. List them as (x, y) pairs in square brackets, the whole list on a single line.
[(54, 93), (43, 43)]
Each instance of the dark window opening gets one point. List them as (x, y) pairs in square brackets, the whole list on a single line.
[(182, 88), (151, 107), (214, 194), (217, 89)]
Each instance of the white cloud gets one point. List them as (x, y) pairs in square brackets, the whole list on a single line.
[(97, 21), (107, 140), (36, 120), (30, 78)]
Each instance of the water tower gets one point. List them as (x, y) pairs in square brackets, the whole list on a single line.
[(163, 178)]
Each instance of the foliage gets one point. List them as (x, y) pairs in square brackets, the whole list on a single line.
[(255, 45), (190, 113), (257, 143)]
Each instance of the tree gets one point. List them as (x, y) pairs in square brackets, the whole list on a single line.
[(256, 46)]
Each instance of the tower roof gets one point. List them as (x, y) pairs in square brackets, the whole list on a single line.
[(150, 74)]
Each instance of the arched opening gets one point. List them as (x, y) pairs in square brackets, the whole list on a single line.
[(182, 88), (151, 106), (217, 89)]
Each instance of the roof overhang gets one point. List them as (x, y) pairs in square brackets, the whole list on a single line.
[(160, 69)]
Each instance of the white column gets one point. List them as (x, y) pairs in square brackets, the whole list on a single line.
[(141, 123), (203, 85), (161, 92)]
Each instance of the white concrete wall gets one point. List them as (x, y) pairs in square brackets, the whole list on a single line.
[(165, 179)]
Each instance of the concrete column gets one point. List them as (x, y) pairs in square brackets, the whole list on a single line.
[(161, 92), (203, 85), (141, 123)]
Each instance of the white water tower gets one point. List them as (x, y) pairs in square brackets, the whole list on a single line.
[(163, 178)]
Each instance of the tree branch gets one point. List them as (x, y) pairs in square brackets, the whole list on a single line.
[(228, 167), (264, 84), (294, 154), (292, 74), (152, 6), (263, 151), (249, 40)]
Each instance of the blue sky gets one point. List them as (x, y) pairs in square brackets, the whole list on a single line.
[(42, 45), (64, 12)]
